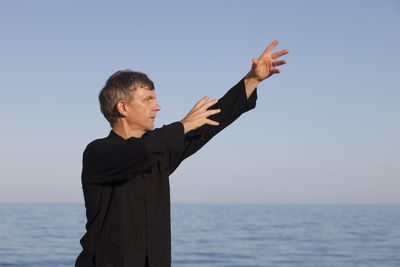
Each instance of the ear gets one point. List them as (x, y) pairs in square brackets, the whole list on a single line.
[(121, 107)]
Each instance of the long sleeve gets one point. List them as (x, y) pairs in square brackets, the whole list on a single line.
[(168, 138), (232, 105), (114, 159)]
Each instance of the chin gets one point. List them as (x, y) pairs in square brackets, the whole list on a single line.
[(150, 127)]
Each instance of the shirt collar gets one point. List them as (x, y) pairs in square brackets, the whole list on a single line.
[(113, 135)]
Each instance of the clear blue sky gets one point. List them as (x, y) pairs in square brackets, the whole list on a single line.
[(325, 130)]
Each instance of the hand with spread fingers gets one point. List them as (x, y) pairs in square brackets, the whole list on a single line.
[(264, 67), (266, 64), (199, 114)]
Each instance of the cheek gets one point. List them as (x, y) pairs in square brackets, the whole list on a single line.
[(139, 109)]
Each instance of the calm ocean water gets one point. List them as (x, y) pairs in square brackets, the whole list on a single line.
[(220, 235)]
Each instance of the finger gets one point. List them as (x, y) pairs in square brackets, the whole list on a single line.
[(275, 71), (210, 122), (212, 112), (255, 61), (201, 102), (207, 105), (278, 63), (270, 47), (279, 54)]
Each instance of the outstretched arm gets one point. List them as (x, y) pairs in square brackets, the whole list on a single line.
[(263, 67), (206, 119)]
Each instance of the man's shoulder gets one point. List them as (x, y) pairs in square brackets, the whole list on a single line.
[(100, 143)]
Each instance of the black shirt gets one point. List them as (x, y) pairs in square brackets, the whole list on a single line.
[(126, 187)]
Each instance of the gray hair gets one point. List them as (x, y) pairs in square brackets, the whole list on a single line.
[(120, 86)]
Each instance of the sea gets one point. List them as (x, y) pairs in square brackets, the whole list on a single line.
[(220, 235)]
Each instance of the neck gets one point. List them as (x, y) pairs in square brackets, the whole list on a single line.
[(125, 131)]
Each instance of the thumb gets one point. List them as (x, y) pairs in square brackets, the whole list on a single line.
[(255, 61)]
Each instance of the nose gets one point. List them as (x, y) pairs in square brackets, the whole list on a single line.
[(157, 107)]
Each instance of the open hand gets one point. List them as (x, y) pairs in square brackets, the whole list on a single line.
[(199, 114), (266, 64)]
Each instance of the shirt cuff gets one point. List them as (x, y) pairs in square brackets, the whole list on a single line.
[(249, 103)]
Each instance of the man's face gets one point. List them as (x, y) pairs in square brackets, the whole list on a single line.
[(142, 109)]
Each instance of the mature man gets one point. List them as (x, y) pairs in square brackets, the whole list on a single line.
[(125, 176)]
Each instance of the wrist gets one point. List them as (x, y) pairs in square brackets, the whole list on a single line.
[(185, 126), (250, 78), (250, 84)]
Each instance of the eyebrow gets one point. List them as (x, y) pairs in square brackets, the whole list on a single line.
[(149, 96)]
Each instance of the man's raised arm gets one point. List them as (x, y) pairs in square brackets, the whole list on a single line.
[(206, 119), (261, 69)]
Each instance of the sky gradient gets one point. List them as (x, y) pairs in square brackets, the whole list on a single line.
[(325, 130)]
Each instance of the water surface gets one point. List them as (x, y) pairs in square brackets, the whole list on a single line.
[(220, 235)]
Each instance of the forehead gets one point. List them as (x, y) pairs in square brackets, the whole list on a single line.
[(143, 92)]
